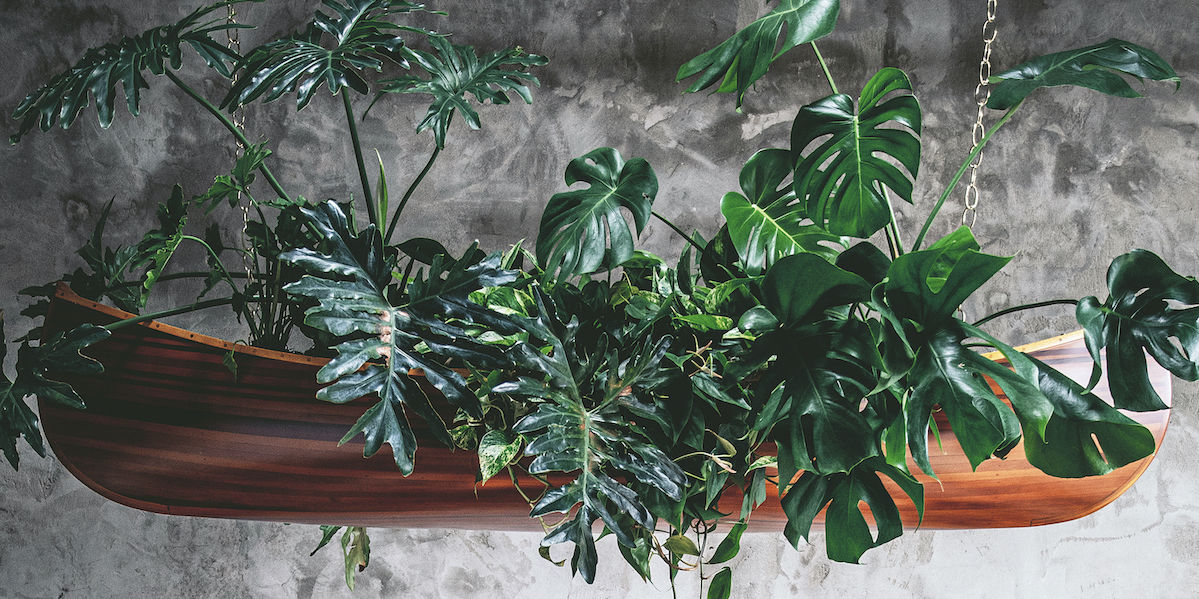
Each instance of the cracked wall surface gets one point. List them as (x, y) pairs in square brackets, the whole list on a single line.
[(1075, 180)]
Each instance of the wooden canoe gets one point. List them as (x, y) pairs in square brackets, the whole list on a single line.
[(168, 429)]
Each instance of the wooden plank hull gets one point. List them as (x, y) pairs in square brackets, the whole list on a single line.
[(169, 430)]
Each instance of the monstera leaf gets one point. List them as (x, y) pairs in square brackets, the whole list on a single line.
[(361, 39), (585, 425), (38, 370), (124, 63), (1149, 306), (766, 224), (454, 72), (929, 285), (348, 279), (583, 231), (1096, 67), (848, 155), (847, 534), (744, 58)]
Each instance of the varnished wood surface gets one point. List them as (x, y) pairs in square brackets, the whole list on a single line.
[(169, 430)]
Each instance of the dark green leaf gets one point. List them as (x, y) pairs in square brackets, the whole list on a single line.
[(124, 63), (927, 286), (1150, 309), (456, 71), (730, 546), (744, 58), (583, 231), (1097, 67), (327, 532), (799, 287), (158, 246), (722, 584), (361, 39), (849, 156)]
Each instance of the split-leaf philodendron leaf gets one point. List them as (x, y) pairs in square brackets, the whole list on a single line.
[(123, 63), (744, 58), (361, 39), (583, 425), (1097, 67), (583, 230), (456, 71), (1149, 306), (848, 155), (348, 277)]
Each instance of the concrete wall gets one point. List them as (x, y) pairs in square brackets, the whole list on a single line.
[(1076, 180)]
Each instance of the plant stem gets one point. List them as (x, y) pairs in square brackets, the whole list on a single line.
[(823, 65), (173, 277), (366, 184), (961, 171), (395, 219), (172, 312), (237, 133), (676, 229), (1005, 312)]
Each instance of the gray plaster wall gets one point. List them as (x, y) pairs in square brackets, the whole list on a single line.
[(1076, 180)]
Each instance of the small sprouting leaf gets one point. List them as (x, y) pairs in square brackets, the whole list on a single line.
[(356, 549), (1097, 67), (229, 361)]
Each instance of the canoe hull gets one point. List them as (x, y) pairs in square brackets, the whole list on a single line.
[(169, 429)]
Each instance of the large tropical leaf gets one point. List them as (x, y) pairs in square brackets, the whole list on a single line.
[(850, 156), (744, 58), (124, 63), (1150, 309), (455, 71), (359, 38), (384, 343), (584, 424), (929, 285), (39, 370), (583, 230), (847, 534), (766, 223), (1097, 67)]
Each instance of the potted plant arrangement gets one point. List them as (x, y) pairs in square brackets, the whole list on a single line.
[(623, 395)]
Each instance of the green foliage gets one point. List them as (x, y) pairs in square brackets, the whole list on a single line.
[(381, 342), (741, 60), (582, 424), (360, 36), (157, 246), (1097, 67), (1149, 306), (848, 155), (456, 71), (229, 188), (583, 231), (124, 63)]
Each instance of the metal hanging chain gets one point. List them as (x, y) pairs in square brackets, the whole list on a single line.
[(982, 94), (239, 121)]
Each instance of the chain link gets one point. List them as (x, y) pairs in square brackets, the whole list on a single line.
[(982, 94), (239, 121)]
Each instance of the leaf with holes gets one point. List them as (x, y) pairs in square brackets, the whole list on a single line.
[(1097, 67), (361, 39), (456, 71), (744, 58), (124, 63), (850, 156), (1149, 307), (583, 231)]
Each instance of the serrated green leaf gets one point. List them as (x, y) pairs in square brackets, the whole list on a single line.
[(456, 72)]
